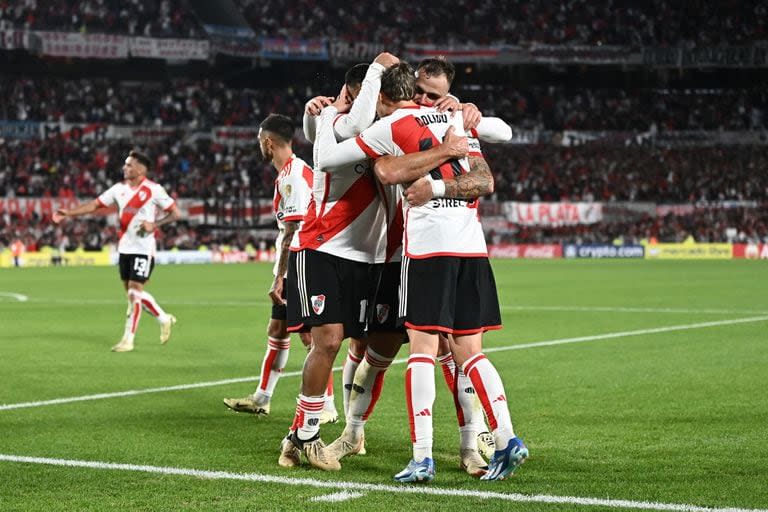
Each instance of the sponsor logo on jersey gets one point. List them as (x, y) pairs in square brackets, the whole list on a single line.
[(500, 398), (318, 304), (424, 412), (382, 312)]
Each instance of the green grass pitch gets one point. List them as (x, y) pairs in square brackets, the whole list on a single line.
[(672, 416)]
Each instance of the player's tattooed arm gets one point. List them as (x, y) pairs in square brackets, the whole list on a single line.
[(478, 182), (276, 291)]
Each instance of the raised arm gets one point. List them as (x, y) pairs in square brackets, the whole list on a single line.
[(330, 154)]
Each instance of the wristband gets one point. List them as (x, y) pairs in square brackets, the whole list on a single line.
[(438, 186)]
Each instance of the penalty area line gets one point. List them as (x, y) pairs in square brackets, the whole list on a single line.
[(18, 297), (357, 487), (548, 343)]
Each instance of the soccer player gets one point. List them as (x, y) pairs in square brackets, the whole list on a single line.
[(137, 199), (444, 258), (368, 379), (293, 188), (328, 267)]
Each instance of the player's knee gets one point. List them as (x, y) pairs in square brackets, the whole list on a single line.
[(277, 330)]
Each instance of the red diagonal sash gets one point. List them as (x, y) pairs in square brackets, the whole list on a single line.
[(130, 210)]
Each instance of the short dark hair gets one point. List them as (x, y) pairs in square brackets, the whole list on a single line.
[(280, 125), (141, 158), (437, 66), (398, 82), (355, 75)]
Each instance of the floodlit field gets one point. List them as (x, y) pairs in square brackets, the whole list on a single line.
[(631, 382)]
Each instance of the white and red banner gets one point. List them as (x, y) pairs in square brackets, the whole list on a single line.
[(169, 49), (751, 251), (553, 214), (14, 39), (536, 251), (86, 46), (43, 207)]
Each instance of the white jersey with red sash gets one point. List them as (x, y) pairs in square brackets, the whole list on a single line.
[(343, 217), (293, 190), (443, 226), (134, 205)]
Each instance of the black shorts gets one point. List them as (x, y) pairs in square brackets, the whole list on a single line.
[(136, 267), (384, 299), (280, 311), (448, 294), (325, 289)]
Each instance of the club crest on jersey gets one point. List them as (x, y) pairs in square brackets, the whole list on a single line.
[(318, 304), (142, 195), (382, 312)]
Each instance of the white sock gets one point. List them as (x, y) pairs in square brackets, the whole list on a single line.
[(448, 365), (469, 411), (420, 397), (151, 305), (272, 367), (348, 376), (329, 404), (369, 381), (490, 390), (132, 322), (308, 411)]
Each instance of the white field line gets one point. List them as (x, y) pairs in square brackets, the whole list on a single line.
[(18, 297), (251, 303), (338, 496), (549, 343), (365, 487)]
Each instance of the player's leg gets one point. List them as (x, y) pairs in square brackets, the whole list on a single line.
[(319, 306), (366, 390), (165, 320), (272, 365), (474, 439), (478, 312), (420, 399), (135, 270), (354, 357), (132, 320)]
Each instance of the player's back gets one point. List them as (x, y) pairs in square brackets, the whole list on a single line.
[(342, 214), (443, 226)]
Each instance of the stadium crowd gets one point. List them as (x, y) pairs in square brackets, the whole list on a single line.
[(565, 22), (598, 172), (151, 18), (210, 170), (205, 103)]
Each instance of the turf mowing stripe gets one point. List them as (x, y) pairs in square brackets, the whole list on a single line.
[(562, 341), (357, 486), (585, 309)]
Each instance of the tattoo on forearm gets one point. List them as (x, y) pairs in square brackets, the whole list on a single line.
[(282, 263), (478, 182)]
